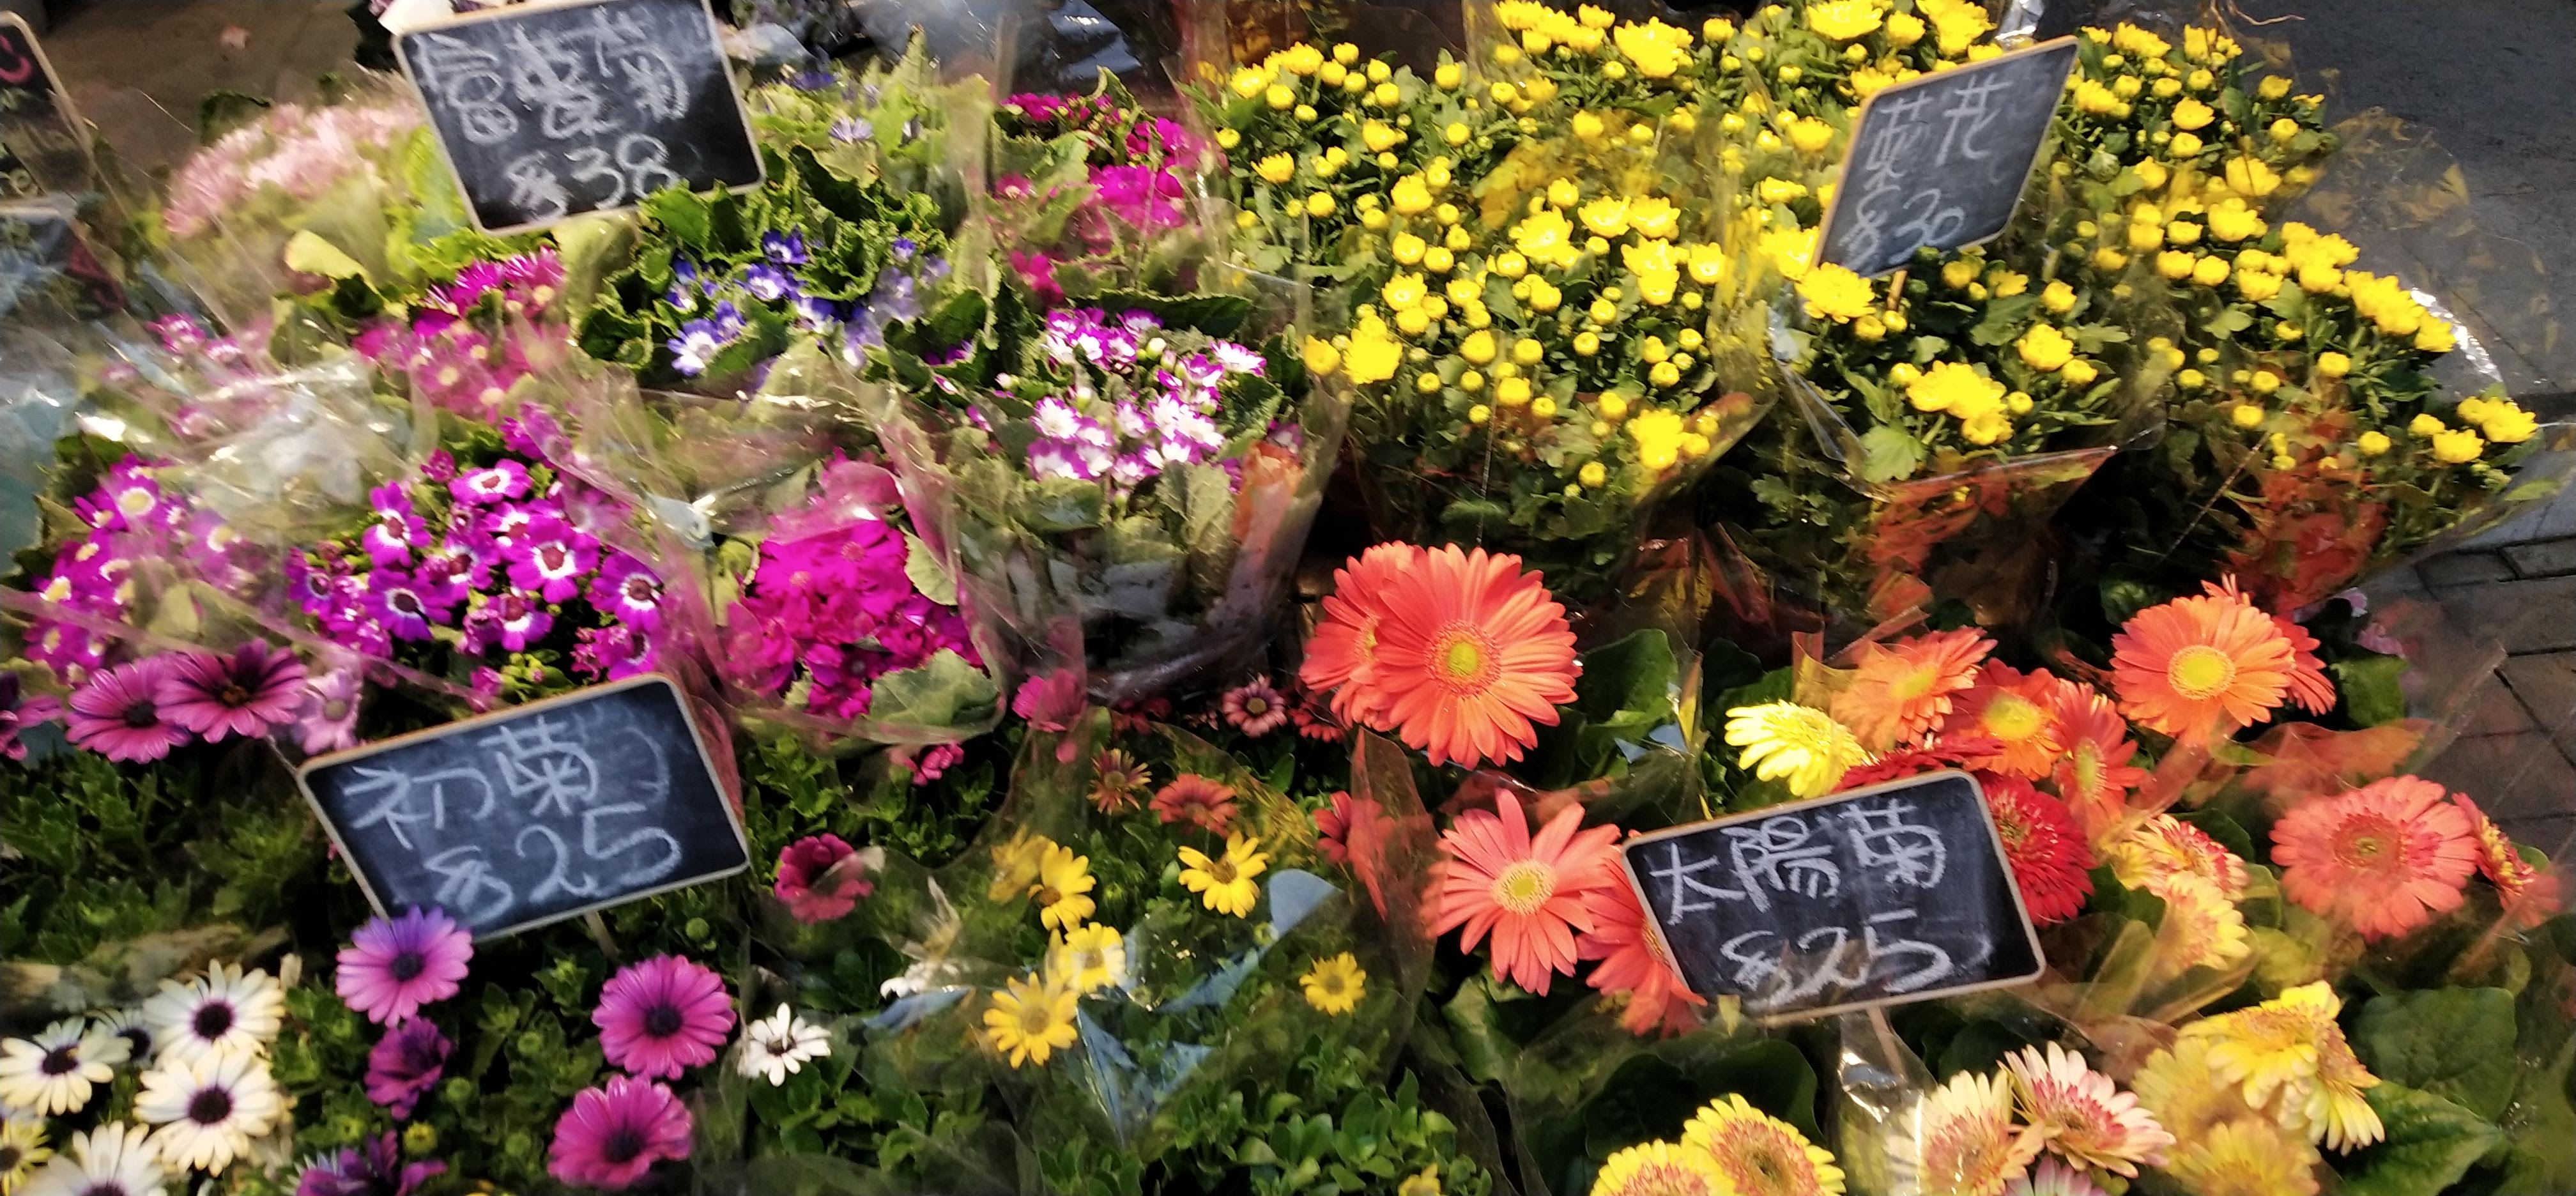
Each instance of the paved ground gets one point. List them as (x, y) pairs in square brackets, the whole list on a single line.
[(2477, 81)]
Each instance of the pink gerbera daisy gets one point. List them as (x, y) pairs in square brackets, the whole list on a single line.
[(614, 1133), (119, 716), (662, 1016), (1633, 963), (2529, 891), (2383, 859), (1527, 890), (2088, 1120), (1256, 709), (394, 966), (1198, 801), (246, 693)]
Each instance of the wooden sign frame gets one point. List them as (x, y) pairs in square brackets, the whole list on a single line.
[(1994, 837), (688, 718), (1860, 121), (715, 36), (62, 94)]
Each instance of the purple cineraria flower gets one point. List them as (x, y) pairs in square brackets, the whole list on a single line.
[(127, 499), (19, 711), (786, 249), (816, 314), (1238, 359), (118, 714), (551, 558), (612, 652), (767, 283), (398, 603), (684, 271), (850, 129), (246, 693), (503, 479), (504, 524), (405, 1064), (513, 620), (373, 1168), (695, 347), (1049, 459), (396, 531), (627, 591), (1131, 421), (440, 468), (1130, 469), (682, 297), (447, 571), (329, 719)]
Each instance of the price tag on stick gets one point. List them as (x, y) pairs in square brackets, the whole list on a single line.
[(1940, 160), (550, 111), (1889, 893), (536, 813)]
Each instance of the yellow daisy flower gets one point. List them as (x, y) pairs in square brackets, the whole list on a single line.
[(1087, 959), (1063, 888), (1335, 985), (1029, 1020), (1225, 883), (1800, 745)]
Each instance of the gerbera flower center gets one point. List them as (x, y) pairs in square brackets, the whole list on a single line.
[(212, 1021), (2014, 719), (663, 1021), (210, 1106), (1256, 707), (2200, 672), (1463, 658), (1524, 887), (1914, 684), (622, 1145), (407, 966), (2367, 845), (233, 694), (61, 1060), (9, 1157), (141, 713)]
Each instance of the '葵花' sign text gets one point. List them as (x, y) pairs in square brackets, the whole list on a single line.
[(1893, 892)]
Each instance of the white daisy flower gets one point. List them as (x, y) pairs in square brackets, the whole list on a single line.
[(208, 1110), (112, 1160), (128, 1024), (225, 1010), (54, 1072), (779, 1045), (22, 1150)]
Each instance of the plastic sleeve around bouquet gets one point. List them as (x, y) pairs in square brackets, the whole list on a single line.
[(1167, 554), (1058, 962), (785, 559)]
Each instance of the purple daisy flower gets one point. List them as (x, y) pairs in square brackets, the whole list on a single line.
[(119, 716), (398, 603), (850, 128), (246, 693), (19, 711), (698, 343), (662, 1016), (394, 966), (510, 620), (405, 1064), (767, 283), (613, 1134), (550, 558), (504, 479), (329, 719), (502, 524), (374, 1168), (627, 591)]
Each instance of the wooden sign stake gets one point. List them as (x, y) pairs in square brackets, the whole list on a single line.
[(598, 927)]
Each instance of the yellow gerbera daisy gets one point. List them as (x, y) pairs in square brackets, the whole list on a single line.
[(1659, 1169), (1801, 745), (1335, 985), (1756, 1154), (1225, 883), (1029, 1020), (2245, 1157)]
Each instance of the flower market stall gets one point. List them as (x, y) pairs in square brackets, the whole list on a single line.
[(1257, 598)]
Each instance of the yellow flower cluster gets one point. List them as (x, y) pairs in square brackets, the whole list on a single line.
[(1982, 405), (2283, 1064)]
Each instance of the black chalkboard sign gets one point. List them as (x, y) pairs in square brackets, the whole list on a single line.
[(535, 813), (1894, 892), (41, 145), (1940, 160), (48, 270), (547, 112)]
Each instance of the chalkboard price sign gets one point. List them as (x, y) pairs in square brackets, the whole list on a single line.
[(533, 814), (1940, 160), (551, 111), (1889, 893), (41, 145)]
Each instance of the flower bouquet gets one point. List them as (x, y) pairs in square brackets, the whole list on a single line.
[(1092, 194), (1122, 493)]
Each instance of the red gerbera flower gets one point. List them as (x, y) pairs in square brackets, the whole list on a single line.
[(2051, 863), (1495, 876), (2530, 891), (1633, 962), (1196, 800)]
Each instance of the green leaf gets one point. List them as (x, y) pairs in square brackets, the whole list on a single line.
[(2540, 1130), (2455, 1043), (1889, 454), (945, 691), (687, 216), (308, 253), (2370, 689), (928, 574), (1060, 505), (2431, 1143)]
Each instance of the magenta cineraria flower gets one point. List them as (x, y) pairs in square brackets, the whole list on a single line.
[(19, 711), (396, 530), (1256, 709), (405, 1064), (505, 479), (808, 884), (328, 721), (662, 1016), (246, 693), (627, 591), (372, 1168), (392, 967), (612, 652), (613, 1134), (511, 620), (550, 557), (119, 716)]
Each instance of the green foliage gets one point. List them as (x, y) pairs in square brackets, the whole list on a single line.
[(2431, 1143), (2454, 1043)]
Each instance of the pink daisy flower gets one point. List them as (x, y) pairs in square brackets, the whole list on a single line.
[(2088, 1120), (613, 1134), (246, 693), (118, 715), (395, 966), (662, 1016), (812, 885), (1256, 709), (2383, 859), (405, 1064)]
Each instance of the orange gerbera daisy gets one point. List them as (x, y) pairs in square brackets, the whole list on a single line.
[(2019, 712), (1470, 653), (2093, 773), (2200, 666), (1899, 692), (2382, 859), (1633, 962), (1495, 876), (2310, 688), (2529, 891), (1344, 646)]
